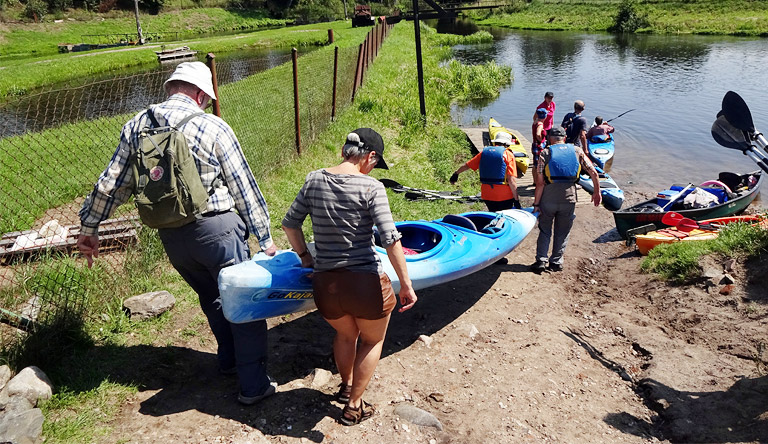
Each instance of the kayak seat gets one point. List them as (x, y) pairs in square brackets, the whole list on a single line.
[(494, 226), (459, 221)]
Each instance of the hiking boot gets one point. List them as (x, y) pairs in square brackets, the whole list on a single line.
[(538, 267), (555, 267), (251, 400)]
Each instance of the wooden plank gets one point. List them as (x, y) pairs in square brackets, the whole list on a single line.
[(114, 234)]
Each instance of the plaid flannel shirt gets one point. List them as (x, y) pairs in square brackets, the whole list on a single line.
[(217, 153)]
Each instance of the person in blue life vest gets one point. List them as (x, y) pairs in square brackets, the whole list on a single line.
[(498, 174), (559, 167)]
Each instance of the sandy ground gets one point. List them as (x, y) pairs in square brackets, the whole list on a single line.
[(598, 353)]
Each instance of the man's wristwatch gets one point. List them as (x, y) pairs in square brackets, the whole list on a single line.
[(303, 254)]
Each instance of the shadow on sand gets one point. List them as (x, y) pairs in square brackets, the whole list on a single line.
[(187, 379)]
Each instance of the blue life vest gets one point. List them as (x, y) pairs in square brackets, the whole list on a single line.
[(563, 165), (493, 167)]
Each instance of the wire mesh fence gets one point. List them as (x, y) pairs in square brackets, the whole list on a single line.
[(54, 145)]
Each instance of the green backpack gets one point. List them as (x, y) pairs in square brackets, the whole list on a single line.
[(167, 186)]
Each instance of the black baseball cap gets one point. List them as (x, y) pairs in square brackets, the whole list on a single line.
[(369, 140)]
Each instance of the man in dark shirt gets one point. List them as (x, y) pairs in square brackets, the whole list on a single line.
[(576, 126)]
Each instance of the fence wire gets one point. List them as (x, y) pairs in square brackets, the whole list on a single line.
[(54, 145)]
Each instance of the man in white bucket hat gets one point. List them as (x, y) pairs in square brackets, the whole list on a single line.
[(216, 237)]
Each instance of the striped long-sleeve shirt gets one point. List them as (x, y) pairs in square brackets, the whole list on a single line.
[(217, 153), (344, 209)]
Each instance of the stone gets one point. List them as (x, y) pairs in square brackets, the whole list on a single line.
[(32, 384), (22, 428), (149, 305), (728, 265), (710, 272), (14, 404), (5, 375), (417, 416), (726, 290), (473, 331), (31, 308), (427, 340), (727, 279), (320, 377)]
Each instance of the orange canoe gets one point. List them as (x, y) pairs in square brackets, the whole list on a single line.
[(646, 242)]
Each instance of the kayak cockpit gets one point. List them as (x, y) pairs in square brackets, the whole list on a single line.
[(419, 239)]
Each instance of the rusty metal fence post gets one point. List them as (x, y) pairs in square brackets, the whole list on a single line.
[(358, 69), (335, 76), (295, 58), (210, 58), (330, 36)]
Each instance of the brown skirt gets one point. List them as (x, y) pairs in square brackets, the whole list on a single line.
[(342, 292)]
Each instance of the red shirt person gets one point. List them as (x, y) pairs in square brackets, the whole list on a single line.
[(549, 105)]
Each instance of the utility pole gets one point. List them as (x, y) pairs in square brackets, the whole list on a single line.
[(138, 24)]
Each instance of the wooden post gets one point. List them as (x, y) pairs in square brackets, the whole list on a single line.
[(295, 57), (330, 36), (358, 68), (365, 61), (335, 73), (210, 58)]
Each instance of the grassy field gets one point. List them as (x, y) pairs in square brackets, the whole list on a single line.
[(728, 17), (22, 76), (420, 154)]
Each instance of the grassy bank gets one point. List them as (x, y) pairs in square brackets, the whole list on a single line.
[(726, 17), (679, 261), (41, 39), (97, 376), (20, 77)]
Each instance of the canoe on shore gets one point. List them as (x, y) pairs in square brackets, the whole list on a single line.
[(651, 211), (710, 230), (612, 195), (522, 160), (440, 251)]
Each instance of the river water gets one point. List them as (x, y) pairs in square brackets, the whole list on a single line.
[(675, 83)]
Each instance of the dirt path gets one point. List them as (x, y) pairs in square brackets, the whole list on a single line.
[(595, 354)]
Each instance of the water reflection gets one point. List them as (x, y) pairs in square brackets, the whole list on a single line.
[(675, 82)]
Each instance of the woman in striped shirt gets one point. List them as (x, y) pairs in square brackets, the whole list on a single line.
[(351, 290)]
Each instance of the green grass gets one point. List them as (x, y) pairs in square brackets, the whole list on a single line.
[(728, 17), (679, 261), (23, 76), (420, 154)]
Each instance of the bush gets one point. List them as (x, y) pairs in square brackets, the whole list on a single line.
[(628, 19), (313, 11), (36, 9), (59, 5)]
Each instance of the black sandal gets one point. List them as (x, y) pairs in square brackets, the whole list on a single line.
[(351, 416), (345, 391)]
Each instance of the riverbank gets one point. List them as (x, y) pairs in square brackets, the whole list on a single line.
[(718, 17)]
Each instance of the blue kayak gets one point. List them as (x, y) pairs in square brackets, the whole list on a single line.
[(601, 150), (612, 195), (440, 251)]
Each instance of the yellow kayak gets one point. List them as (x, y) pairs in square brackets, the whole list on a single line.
[(522, 161)]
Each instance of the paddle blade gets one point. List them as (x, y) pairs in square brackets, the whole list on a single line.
[(737, 112), (389, 183), (671, 218), (728, 135), (686, 225)]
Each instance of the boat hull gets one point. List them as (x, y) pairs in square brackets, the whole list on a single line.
[(266, 286), (522, 159), (612, 195), (648, 241), (601, 153), (647, 212)]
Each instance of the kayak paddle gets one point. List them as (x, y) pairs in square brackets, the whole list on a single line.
[(733, 128), (399, 188), (676, 196), (434, 196), (625, 112)]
